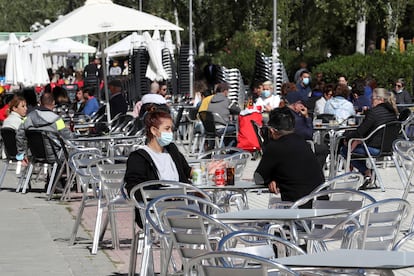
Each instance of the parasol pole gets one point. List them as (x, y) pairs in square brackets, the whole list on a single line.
[(191, 52), (105, 76), (275, 53)]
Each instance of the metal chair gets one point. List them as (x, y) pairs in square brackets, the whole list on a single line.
[(141, 195), (378, 225), (350, 180), (226, 263), (153, 215), (191, 232), (408, 127), (110, 198), (389, 133), (404, 158), (260, 244), (404, 242), (316, 231)]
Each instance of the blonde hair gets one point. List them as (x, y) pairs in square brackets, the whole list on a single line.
[(387, 96)]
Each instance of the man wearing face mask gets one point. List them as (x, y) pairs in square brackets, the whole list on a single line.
[(303, 85)]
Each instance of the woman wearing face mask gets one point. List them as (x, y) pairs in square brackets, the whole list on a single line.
[(401, 95), (159, 159), (267, 101)]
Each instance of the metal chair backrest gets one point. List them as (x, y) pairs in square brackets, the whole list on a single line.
[(9, 140), (208, 121), (389, 135), (407, 240), (226, 263), (378, 225), (350, 180), (42, 147), (260, 244)]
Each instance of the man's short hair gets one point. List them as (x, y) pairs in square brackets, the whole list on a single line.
[(281, 119), (46, 99), (115, 83), (89, 90), (221, 87)]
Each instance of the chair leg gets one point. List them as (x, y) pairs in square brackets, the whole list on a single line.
[(66, 191), (98, 225), (147, 261), (27, 180), (78, 218), (114, 230), (4, 171), (133, 254)]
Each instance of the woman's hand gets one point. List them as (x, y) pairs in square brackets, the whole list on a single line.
[(273, 187), (214, 165)]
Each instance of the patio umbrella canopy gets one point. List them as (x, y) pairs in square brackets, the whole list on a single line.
[(14, 66), (66, 46), (102, 17), (125, 46)]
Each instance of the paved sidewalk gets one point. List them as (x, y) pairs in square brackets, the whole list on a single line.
[(34, 233)]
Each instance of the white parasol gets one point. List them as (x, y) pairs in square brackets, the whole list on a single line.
[(14, 68), (168, 42), (102, 17), (155, 70), (40, 76), (25, 51), (125, 46)]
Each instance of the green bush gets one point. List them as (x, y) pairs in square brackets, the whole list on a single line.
[(385, 68)]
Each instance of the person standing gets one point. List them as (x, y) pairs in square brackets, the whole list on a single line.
[(303, 86), (117, 101)]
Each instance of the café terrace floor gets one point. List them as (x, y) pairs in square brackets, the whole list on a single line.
[(34, 233)]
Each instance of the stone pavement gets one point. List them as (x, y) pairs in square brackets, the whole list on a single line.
[(34, 233)]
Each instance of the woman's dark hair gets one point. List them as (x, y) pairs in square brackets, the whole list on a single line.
[(30, 95), (153, 119)]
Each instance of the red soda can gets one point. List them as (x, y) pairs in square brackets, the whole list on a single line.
[(219, 177)]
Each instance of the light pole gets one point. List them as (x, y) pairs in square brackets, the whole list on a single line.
[(190, 51), (275, 53)]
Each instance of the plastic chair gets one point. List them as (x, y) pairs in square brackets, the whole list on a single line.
[(389, 133), (141, 195), (153, 211), (210, 130), (9, 141), (260, 244), (44, 150), (226, 263)]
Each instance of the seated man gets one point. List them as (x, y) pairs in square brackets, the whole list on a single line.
[(91, 103), (288, 164), (117, 101), (42, 118), (151, 99), (221, 105)]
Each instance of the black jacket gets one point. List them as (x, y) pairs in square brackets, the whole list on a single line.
[(141, 168), (379, 115)]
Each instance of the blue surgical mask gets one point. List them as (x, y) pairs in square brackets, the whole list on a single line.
[(165, 139), (265, 93), (306, 81)]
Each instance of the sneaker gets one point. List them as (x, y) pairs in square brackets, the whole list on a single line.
[(368, 184)]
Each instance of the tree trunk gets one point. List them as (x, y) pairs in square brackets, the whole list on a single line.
[(392, 28), (360, 35)]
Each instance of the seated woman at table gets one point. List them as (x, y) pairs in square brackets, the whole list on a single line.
[(160, 158), (339, 105), (384, 110), (288, 164), (17, 111)]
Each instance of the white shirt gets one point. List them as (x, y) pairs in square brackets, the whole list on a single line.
[(273, 101), (320, 106), (166, 168)]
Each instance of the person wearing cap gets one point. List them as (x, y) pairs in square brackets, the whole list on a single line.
[(288, 165), (117, 101)]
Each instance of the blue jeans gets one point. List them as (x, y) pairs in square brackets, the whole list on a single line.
[(360, 165)]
